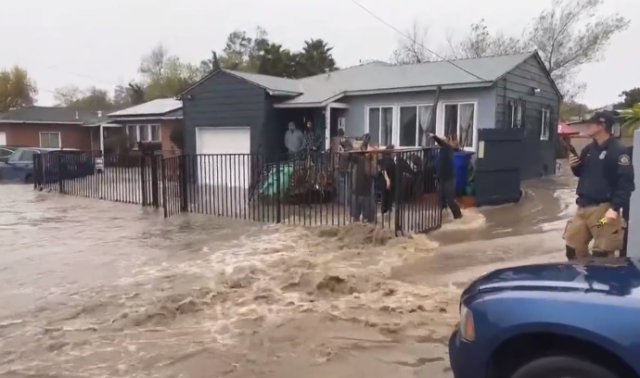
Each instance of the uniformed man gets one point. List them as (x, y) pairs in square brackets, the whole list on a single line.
[(605, 184)]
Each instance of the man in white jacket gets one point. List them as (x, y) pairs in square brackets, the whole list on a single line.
[(293, 139)]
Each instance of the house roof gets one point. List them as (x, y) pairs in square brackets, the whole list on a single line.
[(158, 107), (383, 77), (46, 114)]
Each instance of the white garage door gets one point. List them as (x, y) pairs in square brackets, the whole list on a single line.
[(3, 138), (217, 168)]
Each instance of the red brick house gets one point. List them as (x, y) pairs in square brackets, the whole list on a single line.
[(41, 126)]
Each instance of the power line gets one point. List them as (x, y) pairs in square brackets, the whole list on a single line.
[(411, 39)]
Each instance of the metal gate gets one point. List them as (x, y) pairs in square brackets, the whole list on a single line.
[(174, 199)]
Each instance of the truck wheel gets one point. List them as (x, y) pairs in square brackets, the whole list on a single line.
[(562, 367)]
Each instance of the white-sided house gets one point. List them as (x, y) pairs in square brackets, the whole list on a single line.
[(237, 112)]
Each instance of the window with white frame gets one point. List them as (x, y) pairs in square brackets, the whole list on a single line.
[(143, 133), (545, 127), (459, 122), (50, 139), (380, 125), (516, 114), (414, 125)]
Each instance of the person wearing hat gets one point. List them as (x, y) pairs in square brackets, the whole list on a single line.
[(605, 182)]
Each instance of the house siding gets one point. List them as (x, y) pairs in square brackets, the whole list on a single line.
[(539, 156), (28, 134), (356, 115), (225, 101)]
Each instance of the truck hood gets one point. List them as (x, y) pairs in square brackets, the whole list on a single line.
[(614, 276)]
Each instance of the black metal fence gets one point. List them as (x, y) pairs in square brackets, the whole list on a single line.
[(392, 189)]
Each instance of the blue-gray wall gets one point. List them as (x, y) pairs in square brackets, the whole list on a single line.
[(539, 157), (356, 115), (224, 100)]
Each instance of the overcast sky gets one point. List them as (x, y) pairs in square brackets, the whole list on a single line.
[(100, 43)]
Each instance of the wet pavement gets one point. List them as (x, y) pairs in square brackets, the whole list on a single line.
[(97, 289)]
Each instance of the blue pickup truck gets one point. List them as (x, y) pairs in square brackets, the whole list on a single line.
[(73, 164), (576, 319)]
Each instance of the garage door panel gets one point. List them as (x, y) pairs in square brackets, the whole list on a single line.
[(224, 156)]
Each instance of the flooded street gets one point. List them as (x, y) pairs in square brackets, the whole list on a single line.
[(99, 289)]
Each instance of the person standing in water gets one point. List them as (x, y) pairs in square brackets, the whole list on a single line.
[(446, 176), (605, 182)]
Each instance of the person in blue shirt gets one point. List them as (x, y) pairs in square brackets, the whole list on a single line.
[(605, 182)]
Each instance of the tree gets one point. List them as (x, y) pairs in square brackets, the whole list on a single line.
[(630, 98), (480, 42), (568, 35), (631, 117), (315, 58), (17, 89), (92, 99), (573, 109), (164, 75), (413, 49), (260, 55)]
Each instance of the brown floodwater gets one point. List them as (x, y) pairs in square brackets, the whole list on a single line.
[(98, 289)]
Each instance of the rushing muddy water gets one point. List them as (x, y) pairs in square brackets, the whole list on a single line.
[(97, 289)]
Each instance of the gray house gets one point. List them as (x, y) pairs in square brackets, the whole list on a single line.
[(237, 112)]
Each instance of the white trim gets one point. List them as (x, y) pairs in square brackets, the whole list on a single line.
[(149, 125), (417, 89), (441, 115), (50, 132), (327, 127), (218, 128), (150, 118), (545, 124), (40, 122), (337, 105)]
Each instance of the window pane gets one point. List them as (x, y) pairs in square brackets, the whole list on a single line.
[(387, 127), (144, 133), (408, 126), (374, 125), (466, 124), (451, 121), (54, 140), (155, 133), (424, 112), (132, 130)]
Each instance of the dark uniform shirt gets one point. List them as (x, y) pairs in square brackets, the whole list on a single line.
[(605, 175)]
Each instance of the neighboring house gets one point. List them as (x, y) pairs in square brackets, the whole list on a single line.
[(47, 127), (150, 122), (237, 112)]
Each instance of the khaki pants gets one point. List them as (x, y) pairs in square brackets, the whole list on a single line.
[(586, 226)]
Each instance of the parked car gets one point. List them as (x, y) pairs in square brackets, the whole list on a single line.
[(5, 152), (20, 165), (575, 319)]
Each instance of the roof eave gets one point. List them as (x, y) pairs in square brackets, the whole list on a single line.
[(116, 115), (40, 122), (149, 118)]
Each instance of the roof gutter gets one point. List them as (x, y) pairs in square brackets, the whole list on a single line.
[(39, 122), (150, 118)]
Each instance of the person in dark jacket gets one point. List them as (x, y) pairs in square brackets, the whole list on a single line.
[(446, 176), (605, 182)]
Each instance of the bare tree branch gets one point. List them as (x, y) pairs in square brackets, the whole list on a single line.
[(413, 49)]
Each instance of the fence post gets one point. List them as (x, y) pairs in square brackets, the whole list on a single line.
[(155, 195), (143, 179), (278, 193), (61, 173), (397, 227), (36, 170), (185, 176), (165, 204)]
